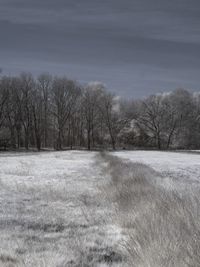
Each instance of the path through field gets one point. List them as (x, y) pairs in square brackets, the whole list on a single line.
[(60, 209)]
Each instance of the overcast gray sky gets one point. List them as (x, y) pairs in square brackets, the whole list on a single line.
[(135, 47)]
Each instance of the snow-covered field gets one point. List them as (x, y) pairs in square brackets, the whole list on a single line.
[(54, 212), (158, 206), (180, 165)]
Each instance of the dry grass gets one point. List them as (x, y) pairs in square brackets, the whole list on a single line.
[(52, 213), (161, 221)]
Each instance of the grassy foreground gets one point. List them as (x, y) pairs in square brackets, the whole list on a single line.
[(61, 209)]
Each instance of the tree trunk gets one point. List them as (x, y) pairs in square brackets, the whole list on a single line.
[(113, 144), (158, 142), (38, 143), (45, 127), (27, 140), (59, 140), (88, 139), (13, 138)]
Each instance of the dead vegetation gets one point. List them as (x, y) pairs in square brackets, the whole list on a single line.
[(52, 213), (160, 222)]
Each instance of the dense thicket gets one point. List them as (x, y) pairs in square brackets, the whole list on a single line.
[(54, 112)]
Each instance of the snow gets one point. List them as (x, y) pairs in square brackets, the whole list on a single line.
[(51, 209), (53, 213), (180, 165)]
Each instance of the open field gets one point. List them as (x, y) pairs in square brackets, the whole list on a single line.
[(157, 195), (78, 208), (51, 212), (179, 165)]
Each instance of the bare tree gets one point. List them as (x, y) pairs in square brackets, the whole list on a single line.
[(110, 108), (91, 102), (11, 109), (44, 84), (24, 98), (64, 96), (37, 113), (152, 118), (45, 111), (3, 99)]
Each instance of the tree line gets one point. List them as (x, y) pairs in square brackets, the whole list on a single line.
[(60, 113)]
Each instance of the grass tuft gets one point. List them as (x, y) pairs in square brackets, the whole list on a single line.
[(161, 223)]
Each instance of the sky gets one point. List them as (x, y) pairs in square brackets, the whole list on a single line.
[(135, 47)]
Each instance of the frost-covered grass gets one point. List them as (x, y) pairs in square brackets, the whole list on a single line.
[(52, 213), (78, 208), (158, 211), (179, 165)]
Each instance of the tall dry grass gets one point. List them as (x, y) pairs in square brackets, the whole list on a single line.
[(160, 216)]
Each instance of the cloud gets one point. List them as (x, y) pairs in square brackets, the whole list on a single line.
[(138, 45)]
